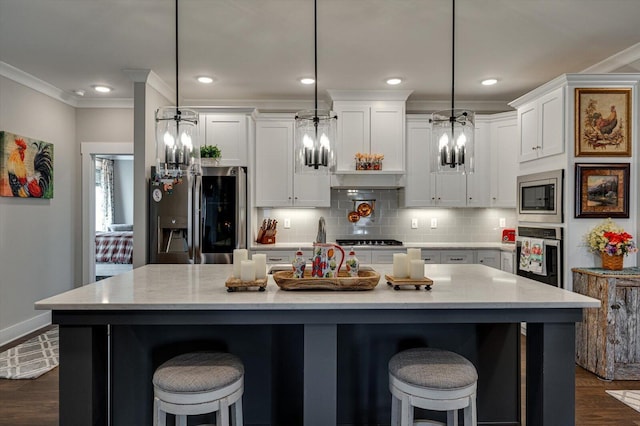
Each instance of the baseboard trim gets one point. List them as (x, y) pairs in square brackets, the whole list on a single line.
[(23, 328)]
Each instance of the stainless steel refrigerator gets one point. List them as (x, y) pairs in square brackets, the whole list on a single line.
[(200, 220)]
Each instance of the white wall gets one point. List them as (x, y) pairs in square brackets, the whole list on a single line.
[(39, 239), (123, 190)]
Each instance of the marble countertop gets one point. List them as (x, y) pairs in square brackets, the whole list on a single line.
[(441, 246), (201, 287)]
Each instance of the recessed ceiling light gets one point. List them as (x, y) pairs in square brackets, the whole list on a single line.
[(102, 89), (307, 80), (204, 79), (394, 81), (489, 82)]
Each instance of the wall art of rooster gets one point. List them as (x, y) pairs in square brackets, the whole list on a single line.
[(26, 167)]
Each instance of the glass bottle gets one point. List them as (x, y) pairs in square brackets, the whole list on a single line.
[(353, 264)]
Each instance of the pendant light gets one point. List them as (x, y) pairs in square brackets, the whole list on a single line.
[(452, 131), (177, 146), (314, 133)]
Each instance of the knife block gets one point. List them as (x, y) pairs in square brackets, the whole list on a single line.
[(268, 239)]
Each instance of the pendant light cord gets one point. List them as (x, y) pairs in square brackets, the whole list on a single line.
[(453, 56), (177, 88), (315, 52)]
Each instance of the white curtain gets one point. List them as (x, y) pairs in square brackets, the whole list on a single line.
[(106, 182)]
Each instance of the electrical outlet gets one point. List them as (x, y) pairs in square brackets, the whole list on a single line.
[(503, 222), (287, 223), (414, 223), (434, 223)]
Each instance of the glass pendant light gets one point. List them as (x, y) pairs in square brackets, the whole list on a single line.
[(314, 132), (177, 144), (452, 131)]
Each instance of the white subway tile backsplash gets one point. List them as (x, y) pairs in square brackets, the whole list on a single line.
[(391, 221)]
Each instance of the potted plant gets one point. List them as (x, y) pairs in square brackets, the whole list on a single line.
[(210, 155), (612, 243)]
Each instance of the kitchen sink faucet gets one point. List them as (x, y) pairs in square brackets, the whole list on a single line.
[(322, 232)]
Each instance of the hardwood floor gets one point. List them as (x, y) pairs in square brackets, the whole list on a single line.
[(35, 402)]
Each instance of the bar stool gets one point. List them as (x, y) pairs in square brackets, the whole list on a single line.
[(199, 383), (433, 379)]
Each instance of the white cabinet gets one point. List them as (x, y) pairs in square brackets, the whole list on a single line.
[(477, 183), (282, 256), (431, 256), (541, 126), (229, 133), (276, 184), (370, 127), (384, 256), (507, 261), (424, 188), (456, 256), (503, 164), (489, 258)]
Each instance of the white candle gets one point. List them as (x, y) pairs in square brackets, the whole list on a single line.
[(260, 260), (416, 269), (414, 253), (400, 265), (238, 256), (247, 270)]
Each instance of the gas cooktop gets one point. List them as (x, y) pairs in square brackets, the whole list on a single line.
[(367, 242)]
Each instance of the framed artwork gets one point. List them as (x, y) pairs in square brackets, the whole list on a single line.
[(26, 167), (602, 190), (603, 122)]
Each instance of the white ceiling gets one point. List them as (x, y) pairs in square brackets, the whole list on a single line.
[(258, 49)]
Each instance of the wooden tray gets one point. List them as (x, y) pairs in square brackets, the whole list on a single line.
[(366, 280), (234, 283), (397, 282)]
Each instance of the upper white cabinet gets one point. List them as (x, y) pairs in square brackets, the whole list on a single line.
[(424, 188), (370, 122), (371, 127), (276, 185), (541, 125), (504, 164), (229, 133)]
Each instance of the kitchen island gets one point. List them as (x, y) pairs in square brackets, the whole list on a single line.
[(314, 357)]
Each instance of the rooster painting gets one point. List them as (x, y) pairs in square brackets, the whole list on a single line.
[(26, 167)]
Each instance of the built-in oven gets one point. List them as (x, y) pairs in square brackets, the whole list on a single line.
[(539, 254), (540, 197)]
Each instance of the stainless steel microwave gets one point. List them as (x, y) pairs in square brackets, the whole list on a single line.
[(540, 197)]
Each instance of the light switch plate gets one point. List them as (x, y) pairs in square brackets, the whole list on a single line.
[(414, 223), (287, 223), (503, 222), (434, 223)]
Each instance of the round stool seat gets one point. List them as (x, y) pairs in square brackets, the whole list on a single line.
[(198, 372), (433, 368)]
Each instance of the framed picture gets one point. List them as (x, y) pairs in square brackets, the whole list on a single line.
[(26, 167), (602, 190), (603, 122)]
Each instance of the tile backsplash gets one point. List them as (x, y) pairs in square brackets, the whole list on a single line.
[(390, 221)]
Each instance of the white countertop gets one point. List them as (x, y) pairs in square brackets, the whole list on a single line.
[(441, 246), (201, 287)]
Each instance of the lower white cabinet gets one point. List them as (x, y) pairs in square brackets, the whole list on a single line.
[(431, 256), (488, 258), (507, 261), (281, 256), (456, 256)]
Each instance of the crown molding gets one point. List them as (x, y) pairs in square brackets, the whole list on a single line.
[(369, 95), (616, 61), (481, 107), (105, 103), (149, 77), (32, 82)]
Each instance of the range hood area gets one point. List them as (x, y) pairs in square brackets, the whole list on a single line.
[(367, 180)]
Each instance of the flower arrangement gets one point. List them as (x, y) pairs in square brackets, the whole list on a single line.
[(368, 161), (609, 238)]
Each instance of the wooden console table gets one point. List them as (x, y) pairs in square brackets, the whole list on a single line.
[(608, 338)]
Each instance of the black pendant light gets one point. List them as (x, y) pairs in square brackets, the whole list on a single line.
[(453, 130), (314, 135), (177, 146)]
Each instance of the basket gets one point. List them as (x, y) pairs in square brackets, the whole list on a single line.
[(613, 263), (366, 280)]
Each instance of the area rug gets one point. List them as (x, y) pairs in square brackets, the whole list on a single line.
[(629, 397), (32, 358)]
